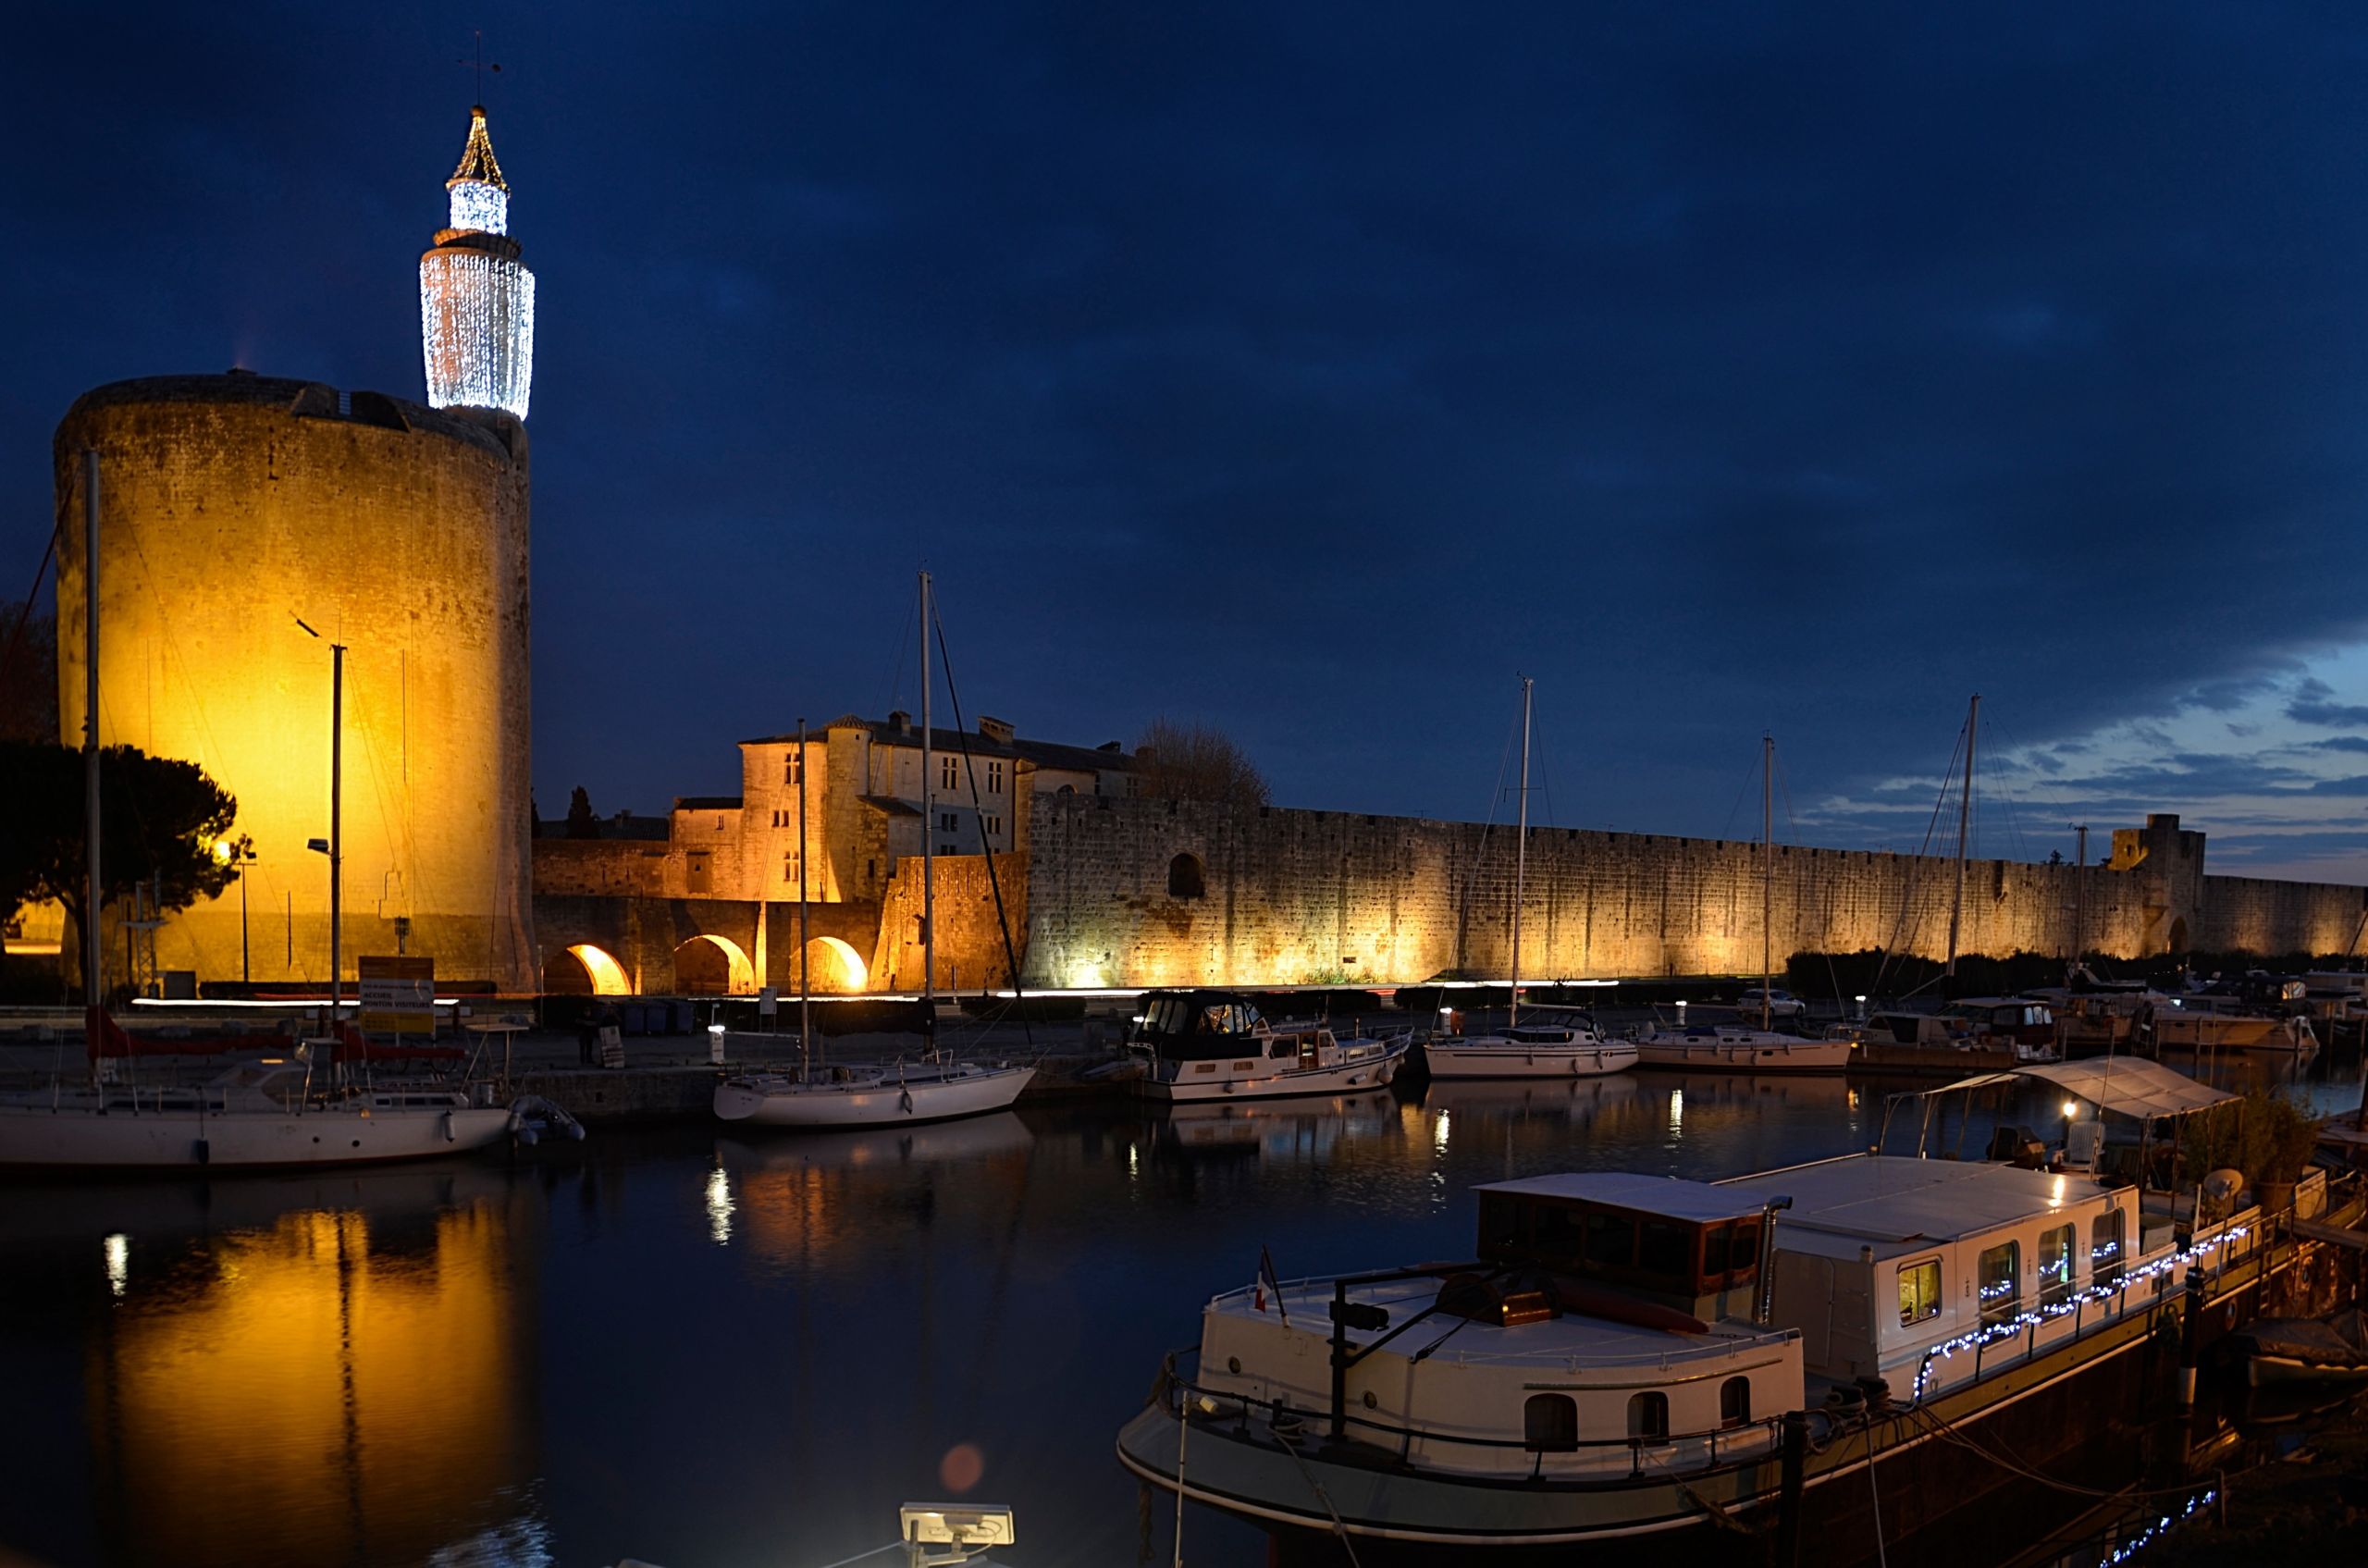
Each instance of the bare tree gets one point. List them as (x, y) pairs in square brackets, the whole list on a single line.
[(1181, 762), (28, 674)]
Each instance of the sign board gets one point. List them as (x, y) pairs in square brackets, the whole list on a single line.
[(397, 995), (768, 1003)]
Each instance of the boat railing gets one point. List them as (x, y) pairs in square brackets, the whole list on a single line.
[(2071, 1316), (1686, 1454)]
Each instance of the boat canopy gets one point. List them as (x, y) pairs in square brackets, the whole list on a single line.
[(2126, 1086)]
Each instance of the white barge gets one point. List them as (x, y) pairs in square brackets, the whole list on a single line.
[(1631, 1355)]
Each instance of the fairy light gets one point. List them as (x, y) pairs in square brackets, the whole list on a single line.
[(2162, 1525), (2009, 1328), (476, 300)]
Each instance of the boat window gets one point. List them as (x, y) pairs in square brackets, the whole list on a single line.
[(1610, 1239), (1998, 1282), (1284, 1045), (1550, 1424), (1649, 1416), (1919, 1291), (1501, 1218), (2105, 1247), (1665, 1248), (1554, 1231), (2055, 1265), (1734, 1403)]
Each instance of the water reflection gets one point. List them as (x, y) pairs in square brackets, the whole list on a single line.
[(288, 1374)]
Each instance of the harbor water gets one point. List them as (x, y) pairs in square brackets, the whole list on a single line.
[(711, 1351)]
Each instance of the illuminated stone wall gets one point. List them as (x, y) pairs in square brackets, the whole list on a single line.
[(233, 505), (969, 940), (1287, 895)]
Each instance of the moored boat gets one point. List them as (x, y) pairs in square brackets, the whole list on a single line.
[(1216, 1045), (258, 1115), (1710, 1047), (1630, 1355), (869, 1094), (1552, 1048)]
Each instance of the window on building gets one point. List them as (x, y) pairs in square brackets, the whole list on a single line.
[(1185, 878), (1550, 1424), (2056, 1267), (947, 821), (1649, 1416), (789, 768), (695, 875), (789, 868), (1998, 1282), (2105, 1248), (949, 770), (994, 778), (1734, 1403), (871, 870), (947, 849), (995, 825), (1919, 1291)]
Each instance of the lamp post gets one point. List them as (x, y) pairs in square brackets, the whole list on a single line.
[(240, 853), (334, 846)]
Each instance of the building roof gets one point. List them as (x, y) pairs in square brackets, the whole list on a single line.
[(707, 803), (1694, 1201), (1042, 753), (890, 805)]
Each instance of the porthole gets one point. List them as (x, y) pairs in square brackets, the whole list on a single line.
[(1371, 1402), (1233, 1365)]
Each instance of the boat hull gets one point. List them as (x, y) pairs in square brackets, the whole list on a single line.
[(38, 1139), (1512, 1061), (1348, 1078), (1745, 1056), (886, 1102)]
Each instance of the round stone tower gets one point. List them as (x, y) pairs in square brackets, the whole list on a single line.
[(232, 507)]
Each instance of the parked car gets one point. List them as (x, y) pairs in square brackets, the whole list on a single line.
[(1781, 1004)]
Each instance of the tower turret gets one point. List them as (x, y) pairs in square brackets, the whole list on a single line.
[(476, 301)]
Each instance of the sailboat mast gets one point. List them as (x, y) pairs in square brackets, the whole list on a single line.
[(929, 833), (805, 989), (94, 999), (1965, 822), (1768, 874), (1521, 858), (2080, 899), (336, 833)]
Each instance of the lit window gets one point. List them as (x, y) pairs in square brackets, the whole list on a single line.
[(1919, 1291), (2055, 1265), (1998, 1282), (2105, 1247)]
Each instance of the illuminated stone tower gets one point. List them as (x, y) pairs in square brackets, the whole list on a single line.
[(476, 301)]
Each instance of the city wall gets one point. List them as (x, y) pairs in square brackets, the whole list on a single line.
[(1147, 892)]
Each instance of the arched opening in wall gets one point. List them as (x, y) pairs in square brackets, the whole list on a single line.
[(585, 970), (1186, 879), (833, 968), (2179, 934), (713, 966)]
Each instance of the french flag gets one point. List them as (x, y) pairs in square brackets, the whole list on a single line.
[(1267, 1281)]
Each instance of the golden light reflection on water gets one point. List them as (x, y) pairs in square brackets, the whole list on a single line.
[(309, 1392)]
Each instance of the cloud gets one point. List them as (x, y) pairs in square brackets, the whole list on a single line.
[(2312, 705)]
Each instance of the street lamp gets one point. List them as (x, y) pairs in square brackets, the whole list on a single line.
[(241, 854)]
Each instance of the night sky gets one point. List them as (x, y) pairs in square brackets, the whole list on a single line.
[(1311, 370)]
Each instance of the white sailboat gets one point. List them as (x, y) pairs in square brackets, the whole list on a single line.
[(266, 1114), (878, 1095), (1564, 1047), (1725, 1047)]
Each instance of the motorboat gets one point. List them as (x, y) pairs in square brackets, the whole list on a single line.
[(871, 1094), (1976, 1035), (1203, 1044), (1725, 1047), (2275, 1351), (259, 1115), (1562, 1046), (1626, 1355)]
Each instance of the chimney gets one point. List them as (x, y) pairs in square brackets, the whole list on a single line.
[(900, 722), (1110, 745), (996, 730)]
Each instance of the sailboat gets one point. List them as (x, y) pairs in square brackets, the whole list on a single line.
[(1566, 1047), (877, 1095), (258, 1114), (1726, 1047)]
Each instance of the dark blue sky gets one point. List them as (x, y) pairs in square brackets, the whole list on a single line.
[(1310, 370)]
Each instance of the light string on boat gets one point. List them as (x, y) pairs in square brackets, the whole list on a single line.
[(2158, 1529), (2006, 1328)]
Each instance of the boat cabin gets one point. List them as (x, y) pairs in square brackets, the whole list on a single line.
[(1880, 1257), (1687, 1246), (1199, 1026)]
